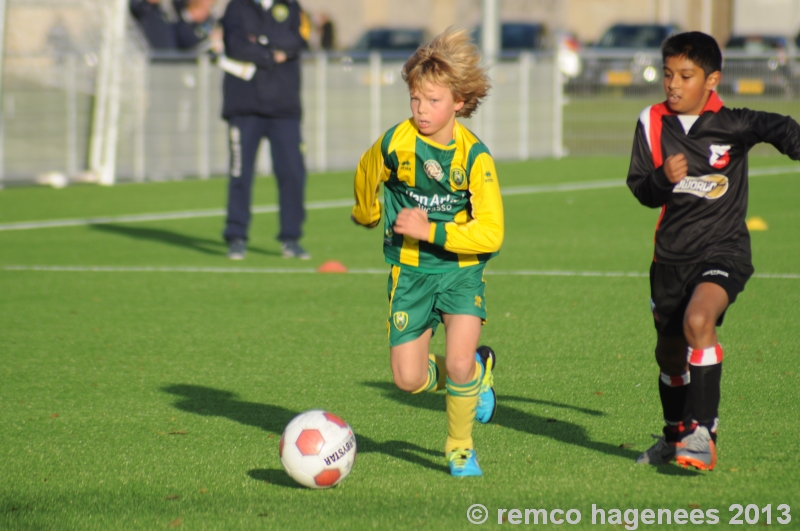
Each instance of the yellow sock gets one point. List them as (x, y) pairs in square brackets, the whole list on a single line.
[(437, 375), (462, 399)]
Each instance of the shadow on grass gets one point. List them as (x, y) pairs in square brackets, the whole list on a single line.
[(509, 417), (211, 402), (274, 476), (672, 469), (201, 245)]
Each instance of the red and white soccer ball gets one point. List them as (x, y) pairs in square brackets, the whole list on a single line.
[(318, 449)]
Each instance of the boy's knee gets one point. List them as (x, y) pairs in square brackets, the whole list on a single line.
[(463, 370), (408, 383), (672, 363), (671, 355), (698, 324)]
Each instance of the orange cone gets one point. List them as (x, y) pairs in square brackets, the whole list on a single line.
[(332, 266)]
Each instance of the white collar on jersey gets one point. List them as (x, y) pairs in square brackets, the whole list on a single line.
[(687, 121)]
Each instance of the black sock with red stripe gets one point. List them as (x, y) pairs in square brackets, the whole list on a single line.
[(705, 367), (674, 393)]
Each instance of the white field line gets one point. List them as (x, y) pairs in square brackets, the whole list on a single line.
[(277, 271), (160, 216), (336, 203)]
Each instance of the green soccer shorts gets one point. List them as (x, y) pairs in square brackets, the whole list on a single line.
[(418, 300)]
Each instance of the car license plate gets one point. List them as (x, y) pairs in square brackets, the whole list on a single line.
[(618, 78), (749, 86)]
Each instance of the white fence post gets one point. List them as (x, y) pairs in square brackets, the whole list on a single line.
[(490, 48), (102, 146), (108, 171), (707, 13), (203, 116), (375, 95), (558, 109), (140, 118), (322, 112), (265, 165), (3, 7), (70, 83), (488, 121), (101, 94), (490, 30), (525, 59)]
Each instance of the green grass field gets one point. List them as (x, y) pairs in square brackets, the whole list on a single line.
[(145, 380)]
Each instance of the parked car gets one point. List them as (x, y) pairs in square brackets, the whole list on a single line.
[(534, 36), (627, 55), (516, 36), (758, 64), (636, 36), (390, 41)]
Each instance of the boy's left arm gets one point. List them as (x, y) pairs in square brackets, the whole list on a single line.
[(484, 233), (781, 131)]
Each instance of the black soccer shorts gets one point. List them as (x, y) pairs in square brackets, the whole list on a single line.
[(671, 288)]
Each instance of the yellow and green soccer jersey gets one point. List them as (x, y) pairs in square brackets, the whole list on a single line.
[(456, 184)]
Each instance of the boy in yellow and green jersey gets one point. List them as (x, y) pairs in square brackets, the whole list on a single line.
[(443, 221)]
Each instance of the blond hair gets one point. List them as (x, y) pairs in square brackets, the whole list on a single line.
[(450, 60)]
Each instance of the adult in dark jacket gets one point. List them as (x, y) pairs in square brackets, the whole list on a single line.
[(155, 24), (266, 36), (195, 23), (327, 33)]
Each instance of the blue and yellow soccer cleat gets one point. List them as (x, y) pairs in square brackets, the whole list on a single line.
[(463, 463), (487, 399)]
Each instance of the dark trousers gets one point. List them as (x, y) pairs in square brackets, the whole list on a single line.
[(244, 135)]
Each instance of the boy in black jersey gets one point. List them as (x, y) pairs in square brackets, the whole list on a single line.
[(690, 159)]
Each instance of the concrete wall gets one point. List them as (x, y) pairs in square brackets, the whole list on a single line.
[(353, 17), (781, 17), (587, 19)]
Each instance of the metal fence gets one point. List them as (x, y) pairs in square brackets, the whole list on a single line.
[(169, 124), (347, 104)]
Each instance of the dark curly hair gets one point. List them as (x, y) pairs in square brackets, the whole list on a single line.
[(696, 46)]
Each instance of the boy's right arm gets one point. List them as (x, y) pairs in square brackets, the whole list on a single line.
[(371, 172), (649, 184)]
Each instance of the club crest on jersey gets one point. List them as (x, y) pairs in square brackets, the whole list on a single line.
[(400, 320), (433, 170), (719, 156), (707, 186), (458, 179), (280, 12)]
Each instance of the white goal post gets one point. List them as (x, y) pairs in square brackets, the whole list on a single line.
[(72, 76)]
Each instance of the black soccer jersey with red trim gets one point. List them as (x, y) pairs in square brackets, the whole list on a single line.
[(703, 216)]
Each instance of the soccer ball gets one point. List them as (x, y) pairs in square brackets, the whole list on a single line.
[(318, 449)]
